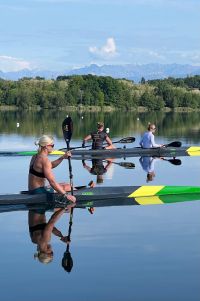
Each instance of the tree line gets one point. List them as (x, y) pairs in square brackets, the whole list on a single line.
[(100, 91)]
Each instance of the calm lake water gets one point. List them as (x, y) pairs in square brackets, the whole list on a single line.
[(119, 253)]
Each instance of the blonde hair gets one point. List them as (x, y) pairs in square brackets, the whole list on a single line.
[(43, 141), (43, 257), (150, 126)]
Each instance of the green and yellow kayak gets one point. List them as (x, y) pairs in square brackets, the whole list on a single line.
[(117, 153), (109, 196)]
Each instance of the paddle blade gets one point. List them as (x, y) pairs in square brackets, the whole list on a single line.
[(67, 128), (127, 165), (127, 140), (174, 144), (175, 161), (67, 262)]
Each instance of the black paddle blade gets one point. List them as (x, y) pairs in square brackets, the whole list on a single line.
[(127, 140), (127, 165), (174, 144), (175, 161), (67, 262), (67, 128)]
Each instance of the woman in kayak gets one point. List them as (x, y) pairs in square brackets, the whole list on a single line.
[(98, 138), (40, 169), (147, 140)]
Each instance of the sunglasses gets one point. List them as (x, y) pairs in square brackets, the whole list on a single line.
[(52, 145)]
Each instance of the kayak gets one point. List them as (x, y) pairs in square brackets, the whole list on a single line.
[(130, 195), (110, 202), (118, 152)]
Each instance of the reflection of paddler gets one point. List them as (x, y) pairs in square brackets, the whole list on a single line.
[(148, 165), (98, 168), (98, 138), (41, 230)]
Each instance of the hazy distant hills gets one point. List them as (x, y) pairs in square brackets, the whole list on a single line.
[(129, 71)]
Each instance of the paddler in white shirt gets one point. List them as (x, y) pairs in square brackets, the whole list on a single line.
[(148, 140)]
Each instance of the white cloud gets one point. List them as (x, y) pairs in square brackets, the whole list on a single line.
[(105, 52), (9, 63)]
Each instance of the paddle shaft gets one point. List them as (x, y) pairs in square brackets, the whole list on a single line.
[(70, 171), (67, 127), (123, 140)]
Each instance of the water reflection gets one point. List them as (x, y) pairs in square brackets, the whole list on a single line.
[(98, 167), (170, 125), (41, 230), (148, 165)]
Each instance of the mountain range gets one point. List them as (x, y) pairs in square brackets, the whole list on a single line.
[(128, 71)]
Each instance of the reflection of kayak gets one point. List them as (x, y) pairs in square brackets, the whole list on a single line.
[(110, 196), (119, 152)]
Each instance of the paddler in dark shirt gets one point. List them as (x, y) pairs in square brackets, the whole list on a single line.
[(98, 168), (98, 138)]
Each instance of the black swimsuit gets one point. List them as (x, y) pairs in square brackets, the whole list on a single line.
[(37, 227), (35, 172)]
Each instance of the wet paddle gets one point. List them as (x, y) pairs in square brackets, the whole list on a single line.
[(173, 161), (67, 128), (123, 140), (67, 261), (173, 144), (127, 165)]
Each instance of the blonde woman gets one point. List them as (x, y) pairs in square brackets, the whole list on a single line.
[(40, 170), (147, 140)]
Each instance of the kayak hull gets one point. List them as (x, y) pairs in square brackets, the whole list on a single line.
[(117, 153), (108, 196)]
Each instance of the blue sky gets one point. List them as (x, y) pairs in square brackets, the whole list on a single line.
[(63, 34)]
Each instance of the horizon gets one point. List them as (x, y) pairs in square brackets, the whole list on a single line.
[(99, 66)]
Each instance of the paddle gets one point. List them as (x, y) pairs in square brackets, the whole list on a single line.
[(123, 140), (67, 261), (173, 161), (127, 165), (173, 144), (67, 128)]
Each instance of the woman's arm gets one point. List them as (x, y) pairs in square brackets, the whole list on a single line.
[(56, 162), (153, 142), (109, 141), (86, 166), (88, 137), (47, 168)]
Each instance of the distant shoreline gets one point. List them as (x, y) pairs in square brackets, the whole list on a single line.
[(97, 109)]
